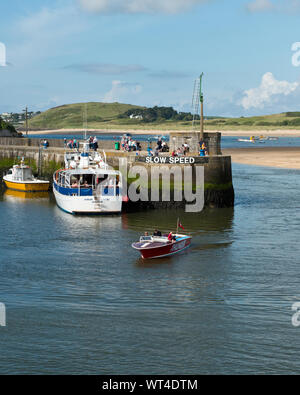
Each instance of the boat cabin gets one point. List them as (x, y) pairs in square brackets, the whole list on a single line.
[(87, 183), (21, 173)]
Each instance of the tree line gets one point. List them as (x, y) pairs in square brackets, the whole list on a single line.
[(6, 126), (156, 113)]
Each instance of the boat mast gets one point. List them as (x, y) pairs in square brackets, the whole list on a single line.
[(198, 100), (202, 112), (85, 121)]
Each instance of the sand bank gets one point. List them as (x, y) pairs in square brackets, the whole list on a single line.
[(267, 133), (91, 132), (285, 158)]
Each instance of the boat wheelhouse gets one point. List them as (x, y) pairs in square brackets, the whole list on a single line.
[(88, 185)]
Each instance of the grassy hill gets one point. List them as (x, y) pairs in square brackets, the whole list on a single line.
[(72, 116), (288, 120), (109, 116)]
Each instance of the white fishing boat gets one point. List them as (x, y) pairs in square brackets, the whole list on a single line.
[(87, 185)]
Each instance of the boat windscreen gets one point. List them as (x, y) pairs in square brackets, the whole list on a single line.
[(23, 174), (27, 174), (146, 238)]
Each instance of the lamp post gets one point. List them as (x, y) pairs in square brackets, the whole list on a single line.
[(202, 112)]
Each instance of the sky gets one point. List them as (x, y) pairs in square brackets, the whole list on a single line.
[(149, 52)]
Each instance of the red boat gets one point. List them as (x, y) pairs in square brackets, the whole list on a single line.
[(159, 246)]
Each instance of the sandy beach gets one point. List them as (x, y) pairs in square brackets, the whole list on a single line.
[(285, 158), (70, 132), (244, 133)]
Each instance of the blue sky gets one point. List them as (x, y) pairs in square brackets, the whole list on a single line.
[(149, 52)]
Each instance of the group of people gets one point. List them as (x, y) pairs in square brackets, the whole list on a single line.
[(76, 184), (157, 233), (72, 143), (127, 144), (181, 151), (93, 143), (161, 146)]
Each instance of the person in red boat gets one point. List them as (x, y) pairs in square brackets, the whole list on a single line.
[(171, 237)]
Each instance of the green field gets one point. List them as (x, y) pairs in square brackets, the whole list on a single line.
[(108, 116)]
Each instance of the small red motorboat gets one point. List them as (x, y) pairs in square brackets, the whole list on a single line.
[(159, 246)]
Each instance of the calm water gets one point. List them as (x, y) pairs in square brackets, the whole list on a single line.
[(79, 300)]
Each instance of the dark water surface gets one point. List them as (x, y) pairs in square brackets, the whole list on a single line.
[(79, 299)]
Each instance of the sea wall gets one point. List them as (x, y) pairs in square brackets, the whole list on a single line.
[(218, 185), (212, 141), (59, 143)]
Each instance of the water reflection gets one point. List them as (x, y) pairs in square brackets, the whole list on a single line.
[(209, 220), (13, 196)]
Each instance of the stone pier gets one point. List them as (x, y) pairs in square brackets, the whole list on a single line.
[(219, 190)]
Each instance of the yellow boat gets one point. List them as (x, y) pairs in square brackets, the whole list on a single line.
[(20, 178)]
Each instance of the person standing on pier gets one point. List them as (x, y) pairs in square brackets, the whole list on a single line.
[(95, 143)]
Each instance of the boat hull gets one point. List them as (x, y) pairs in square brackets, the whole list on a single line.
[(38, 186), (154, 251), (87, 205)]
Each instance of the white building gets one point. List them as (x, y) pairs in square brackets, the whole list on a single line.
[(135, 116)]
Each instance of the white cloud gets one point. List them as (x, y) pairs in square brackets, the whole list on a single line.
[(280, 6), (121, 91), (260, 6), (270, 89), (138, 6)]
